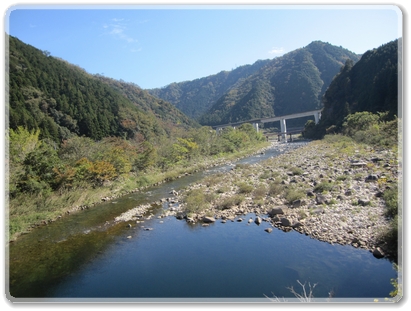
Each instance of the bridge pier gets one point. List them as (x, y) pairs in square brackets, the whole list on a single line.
[(283, 126), (255, 125), (317, 117)]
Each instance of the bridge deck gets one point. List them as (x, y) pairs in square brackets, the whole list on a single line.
[(272, 119)]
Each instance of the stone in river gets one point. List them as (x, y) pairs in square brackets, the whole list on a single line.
[(208, 219)]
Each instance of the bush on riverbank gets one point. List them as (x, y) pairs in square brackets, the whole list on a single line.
[(45, 180)]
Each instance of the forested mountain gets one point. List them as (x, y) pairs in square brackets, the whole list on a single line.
[(195, 97), (163, 110), (369, 85), (292, 83), (62, 100)]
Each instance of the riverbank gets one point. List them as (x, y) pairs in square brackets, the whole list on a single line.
[(328, 190), (27, 217)]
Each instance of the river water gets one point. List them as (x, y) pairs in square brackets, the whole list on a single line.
[(85, 257)]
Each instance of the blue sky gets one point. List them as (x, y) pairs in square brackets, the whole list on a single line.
[(153, 46)]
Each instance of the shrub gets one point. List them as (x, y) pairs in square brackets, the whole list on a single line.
[(292, 194), (243, 187), (275, 189), (390, 197), (260, 192), (231, 201), (195, 201), (296, 171), (323, 186)]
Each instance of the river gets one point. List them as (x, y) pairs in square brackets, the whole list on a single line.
[(87, 257)]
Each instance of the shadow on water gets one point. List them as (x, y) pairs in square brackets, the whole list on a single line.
[(88, 255)]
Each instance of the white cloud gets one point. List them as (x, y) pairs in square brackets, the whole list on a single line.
[(276, 50), (118, 30)]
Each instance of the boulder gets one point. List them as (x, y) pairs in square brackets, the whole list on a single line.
[(276, 210), (363, 202), (310, 193), (258, 220), (285, 222), (348, 192), (378, 253), (371, 178), (269, 230), (208, 219), (317, 210), (297, 203), (180, 215), (297, 224), (320, 199)]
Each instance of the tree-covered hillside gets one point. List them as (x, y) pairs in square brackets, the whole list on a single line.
[(292, 83), (163, 110), (369, 85), (62, 100), (195, 97)]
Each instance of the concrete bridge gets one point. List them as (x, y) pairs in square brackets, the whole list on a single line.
[(282, 119)]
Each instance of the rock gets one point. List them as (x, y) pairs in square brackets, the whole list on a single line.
[(148, 229), (240, 219), (285, 222), (208, 219), (298, 203), (269, 230), (297, 224), (310, 193), (363, 202), (205, 225), (180, 215), (320, 199), (317, 210), (378, 253), (258, 220), (275, 211), (129, 237), (358, 164), (379, 194), (371, 178), (129, 226), (250, 220)]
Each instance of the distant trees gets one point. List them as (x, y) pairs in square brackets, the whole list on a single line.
[(292, 83)]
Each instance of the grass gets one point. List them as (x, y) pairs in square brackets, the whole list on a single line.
[(275, 188), (245, 188), (296, 171), (323, 187), (228, 202), (196, 201), (260, 192), (292, 194)]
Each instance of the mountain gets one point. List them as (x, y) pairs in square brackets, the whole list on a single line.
[(289, 84), (195, 97), (63, 100), (163, 110), (371, 85)]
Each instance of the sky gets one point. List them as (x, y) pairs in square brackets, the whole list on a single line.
[(155, 45)]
